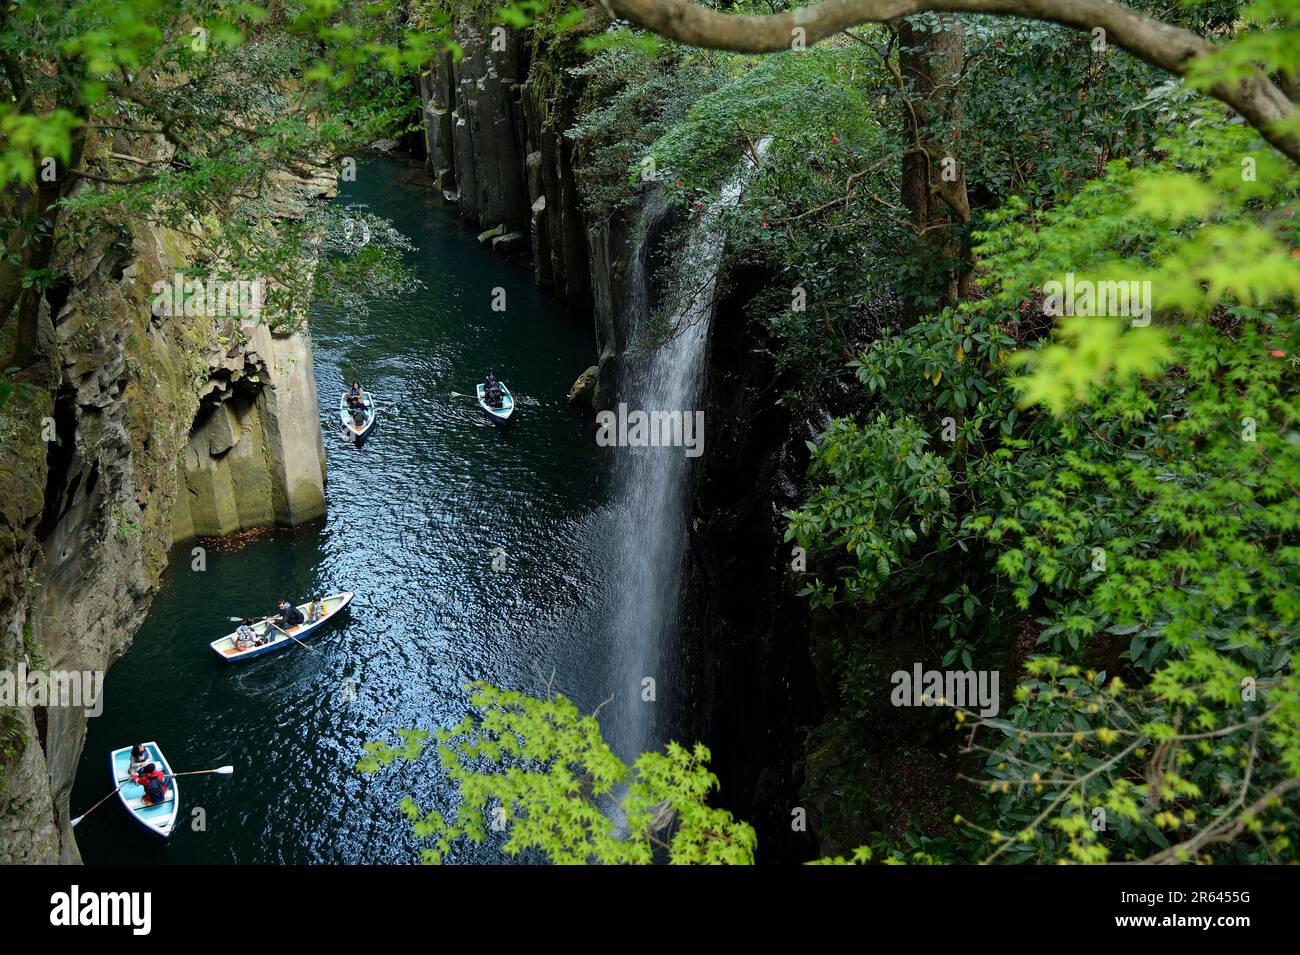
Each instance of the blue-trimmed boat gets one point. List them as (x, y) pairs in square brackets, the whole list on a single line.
[(498, 416), (271, 638), (158, 818), (358, 430)]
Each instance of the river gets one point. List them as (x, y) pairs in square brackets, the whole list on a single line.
[(413, 517)]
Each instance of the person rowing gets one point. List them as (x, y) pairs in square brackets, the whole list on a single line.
[(492, 390), (290, 616), (154, 782), (357, 406)]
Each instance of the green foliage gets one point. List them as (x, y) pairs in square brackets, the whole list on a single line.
[(1040, 114), (879, 490), (630, 98), (9, 388), (1177, 771), (13, 737), (1042, 111), (187, 115), (1149, 521), (1189, 225), (1270, 43), (99, 44), (541, 772), (800, 98), (861, 856), (802, 214)]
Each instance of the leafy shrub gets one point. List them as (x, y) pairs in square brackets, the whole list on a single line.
[(1153, 507)]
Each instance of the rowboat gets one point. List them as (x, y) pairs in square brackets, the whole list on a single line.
[(498, 416), (277, 639), (159, 818), (358, 431)]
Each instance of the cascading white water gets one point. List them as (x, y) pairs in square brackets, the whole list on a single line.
[(650, 549)]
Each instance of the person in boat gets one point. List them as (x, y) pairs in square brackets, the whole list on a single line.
[(245, 635), (290, 616), (154, 782), (357, 405), (490, 381), (139, 757), (316, 610)]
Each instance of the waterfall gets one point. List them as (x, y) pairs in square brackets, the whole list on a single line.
[(650, 545)]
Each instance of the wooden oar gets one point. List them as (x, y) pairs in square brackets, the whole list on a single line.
[(255, 620), (291, 637), (220, 771), (514, 396)]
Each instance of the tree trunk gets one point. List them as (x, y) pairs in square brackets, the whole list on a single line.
[(934, 181)]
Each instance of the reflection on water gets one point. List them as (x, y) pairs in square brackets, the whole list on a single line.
[(413, 516)]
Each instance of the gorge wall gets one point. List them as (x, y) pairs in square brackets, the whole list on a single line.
[(494, 142), (255, 454), (134, 441), (750, 640)]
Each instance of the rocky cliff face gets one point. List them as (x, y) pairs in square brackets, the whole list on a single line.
[(751, 637), (255, 454), (147, 424), (494, 142)]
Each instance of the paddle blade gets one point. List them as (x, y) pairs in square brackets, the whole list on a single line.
[(225, 770), (77, 820)]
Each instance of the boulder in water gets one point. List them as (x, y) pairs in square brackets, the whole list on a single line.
[(512, 243), (487, 235), (583, 389)]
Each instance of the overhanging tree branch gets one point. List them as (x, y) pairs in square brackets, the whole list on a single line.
[(1168, 47)]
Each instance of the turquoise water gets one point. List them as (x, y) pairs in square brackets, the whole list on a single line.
[(413, 517)]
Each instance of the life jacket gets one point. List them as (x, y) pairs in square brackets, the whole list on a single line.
[(155, 787)]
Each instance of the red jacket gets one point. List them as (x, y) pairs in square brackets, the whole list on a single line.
[(155, 785)]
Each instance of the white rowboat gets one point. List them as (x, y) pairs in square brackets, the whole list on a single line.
[(159, 818), (277, 639)]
